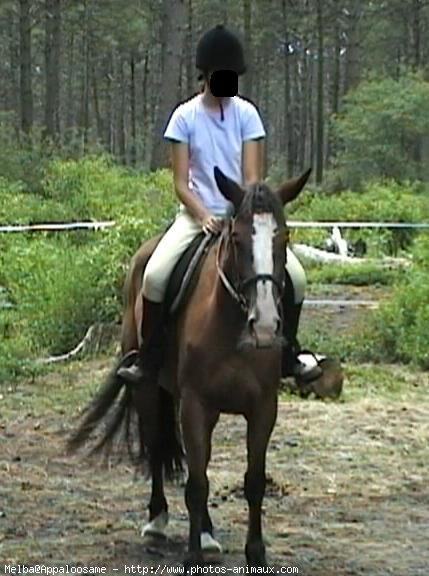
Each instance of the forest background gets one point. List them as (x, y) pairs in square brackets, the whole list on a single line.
[(86, 89)]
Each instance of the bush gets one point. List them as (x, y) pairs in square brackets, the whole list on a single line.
[(399, 329), (378, 131), (22, 162), (95, 188), (378, 201), (53, 286), (365, 274)]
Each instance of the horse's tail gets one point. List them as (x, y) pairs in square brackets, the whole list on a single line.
[(142, 419)]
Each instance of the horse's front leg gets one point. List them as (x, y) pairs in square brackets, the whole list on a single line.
[(259, 427), (197, 426)]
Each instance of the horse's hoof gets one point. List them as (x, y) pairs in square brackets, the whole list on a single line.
[(209, 544), (157, 527), (192, 561)]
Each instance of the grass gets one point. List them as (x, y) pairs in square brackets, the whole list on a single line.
[(365, 274)]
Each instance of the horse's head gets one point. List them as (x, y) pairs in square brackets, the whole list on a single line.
[(253, 270)]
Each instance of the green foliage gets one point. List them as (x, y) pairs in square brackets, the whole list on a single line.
[(396, 331), (21, 163), (379, 127), (378, 201), (94, 187), (55, 285), (365, 274), (399, 329)]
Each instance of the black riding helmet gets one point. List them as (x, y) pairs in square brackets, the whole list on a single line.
[(220, 49)]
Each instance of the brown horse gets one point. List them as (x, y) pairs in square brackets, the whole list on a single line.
[(223, 356)]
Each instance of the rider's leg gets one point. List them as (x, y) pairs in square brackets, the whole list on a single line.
[(295, 363), (155, 280)]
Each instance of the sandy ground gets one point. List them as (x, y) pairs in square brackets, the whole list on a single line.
[(348, 490)]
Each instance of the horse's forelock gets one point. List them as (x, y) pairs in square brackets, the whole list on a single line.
[(260, 199)]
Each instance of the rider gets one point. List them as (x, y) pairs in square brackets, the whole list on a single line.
[(205, 131)]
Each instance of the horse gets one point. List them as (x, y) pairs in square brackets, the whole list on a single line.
[(223, 355)]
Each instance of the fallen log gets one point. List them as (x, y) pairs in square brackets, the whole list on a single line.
[(96, 335), (318, 255)]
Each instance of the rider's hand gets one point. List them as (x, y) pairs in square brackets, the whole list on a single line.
[(212, 224)]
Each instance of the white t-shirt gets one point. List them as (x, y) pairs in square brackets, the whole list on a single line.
[(214, 142)]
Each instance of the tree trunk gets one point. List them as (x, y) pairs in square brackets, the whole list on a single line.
[(320, 95), (305, 85), (247, 17), (26, 91), (417, 5), (311, 129), (96, 101), (190, 61), (133, 151), (335, 84), (110, 123), (267, 115), (288, 126), (171, 43), (352, 69), (336, 67), (145, 105), (84, 109), (122, 143), (52, 63), (69, 112)]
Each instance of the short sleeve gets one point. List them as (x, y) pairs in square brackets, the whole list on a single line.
[(177, 128), (251, 123)]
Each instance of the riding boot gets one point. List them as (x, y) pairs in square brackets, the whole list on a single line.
[(295, 361), (148, 363)]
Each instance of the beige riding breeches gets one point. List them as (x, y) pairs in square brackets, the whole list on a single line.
[(174, 243)]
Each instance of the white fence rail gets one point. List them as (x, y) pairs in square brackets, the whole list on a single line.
[(58, 227)]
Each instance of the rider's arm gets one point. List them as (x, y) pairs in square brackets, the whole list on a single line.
[(180, 162), (253, 134), (253, 153)]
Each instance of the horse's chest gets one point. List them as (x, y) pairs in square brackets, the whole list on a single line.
[(237, 384)]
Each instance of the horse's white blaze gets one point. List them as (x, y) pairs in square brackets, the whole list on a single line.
[(264, 226)]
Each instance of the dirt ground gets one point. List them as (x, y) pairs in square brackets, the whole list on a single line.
[(348, 490)]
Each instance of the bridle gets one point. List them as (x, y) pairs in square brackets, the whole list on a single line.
[(236, 290)]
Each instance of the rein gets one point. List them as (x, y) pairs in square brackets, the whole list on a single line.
[(239, 298), (237, 292)]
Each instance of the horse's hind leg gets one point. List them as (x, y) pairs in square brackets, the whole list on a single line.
[(158, 508), (259, 428), (147, 401), (197, 427)]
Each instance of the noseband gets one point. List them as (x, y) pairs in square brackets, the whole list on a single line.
[(237, 291)]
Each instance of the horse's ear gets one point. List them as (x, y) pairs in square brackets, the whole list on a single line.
[(290, 189), (229, 188)]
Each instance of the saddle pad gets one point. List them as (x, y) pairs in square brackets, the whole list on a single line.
[(183, 272)]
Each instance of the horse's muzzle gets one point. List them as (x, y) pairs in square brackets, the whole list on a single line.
[(260, 337)]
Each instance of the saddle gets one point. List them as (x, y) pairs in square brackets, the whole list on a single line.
[(186, 272)]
